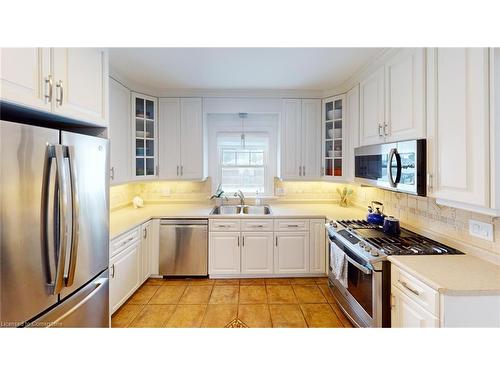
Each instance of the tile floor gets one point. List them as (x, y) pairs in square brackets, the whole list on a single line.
[(253, 303)]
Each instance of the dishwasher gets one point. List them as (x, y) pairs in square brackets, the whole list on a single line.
[(183, 247)]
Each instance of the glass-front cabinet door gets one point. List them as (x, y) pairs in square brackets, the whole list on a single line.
[(334, 149), (144, 115)]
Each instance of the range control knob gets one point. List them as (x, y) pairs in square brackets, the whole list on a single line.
[(368, 248), (374, 252)]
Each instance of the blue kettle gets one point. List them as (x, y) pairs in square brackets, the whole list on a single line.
[(375, 213)]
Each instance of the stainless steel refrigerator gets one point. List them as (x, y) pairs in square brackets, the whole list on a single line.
[(54, 226)]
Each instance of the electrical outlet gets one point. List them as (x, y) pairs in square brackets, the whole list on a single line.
[(165, 192), (481, 230)]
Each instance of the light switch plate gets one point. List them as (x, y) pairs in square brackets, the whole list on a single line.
[(481, 230)]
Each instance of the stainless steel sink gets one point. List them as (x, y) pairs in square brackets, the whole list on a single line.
[(241, 210), (226, 210), (256, 210)]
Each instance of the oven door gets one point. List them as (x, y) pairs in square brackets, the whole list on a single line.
[(360, 300)]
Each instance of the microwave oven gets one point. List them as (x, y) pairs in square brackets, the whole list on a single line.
[(398, 166)]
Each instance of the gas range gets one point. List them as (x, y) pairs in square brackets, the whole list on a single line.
[(372, 243), (359, 273)]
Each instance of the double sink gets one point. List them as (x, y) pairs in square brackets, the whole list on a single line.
[(241, 210)]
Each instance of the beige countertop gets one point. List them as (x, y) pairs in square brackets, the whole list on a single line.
[(453, 274), (127, 218)]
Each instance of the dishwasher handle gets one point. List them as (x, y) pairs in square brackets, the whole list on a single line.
[(183, 222)]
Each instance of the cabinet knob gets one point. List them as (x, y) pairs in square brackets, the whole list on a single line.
[(60, 89)]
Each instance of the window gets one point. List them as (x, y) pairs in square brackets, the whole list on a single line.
[(248, 165), (243, 163)]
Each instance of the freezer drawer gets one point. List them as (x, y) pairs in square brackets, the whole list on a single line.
[(89, 307), (184, 247)]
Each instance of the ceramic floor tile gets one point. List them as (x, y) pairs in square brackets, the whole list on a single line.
[(280, 294), (278, 281), (187, 316), (253, 294), (255, 316), (124, 316), (153, 316), (252, 282), (327, 293), (287, 316), (320, 316), (309, 294), (218, 316), (143, 295), (201, 281), (303, 281), (227, 282), (322, 281), (196, 294), (160, 282), (343, 319), (225, 294), (167, 295)]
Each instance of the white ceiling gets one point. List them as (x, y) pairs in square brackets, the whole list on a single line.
[(240, 68)]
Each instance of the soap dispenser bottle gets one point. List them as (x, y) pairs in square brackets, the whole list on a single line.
[(257, 198)]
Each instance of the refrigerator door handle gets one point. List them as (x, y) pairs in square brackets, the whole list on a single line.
[(44, 219), (63, 207), (75, 210)]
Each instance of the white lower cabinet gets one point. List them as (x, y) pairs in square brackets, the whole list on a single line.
[(317, 246), (224, 252), (406, 313), (291, 253), (416, 304), (147, 244), (125, 278), (267, 247), (135, 258), (257, 253)]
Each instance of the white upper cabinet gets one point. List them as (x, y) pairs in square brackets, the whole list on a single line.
[(181, 135), (81, 84), (169, 129), (118, 132), (144, 137), (300, 140), (458, 125), (191, 161), (335, 138), (310, 137), (405, 95), (372, 106), (392, 99), (25, 75), (71, 82), (352, 121), (291, 142)]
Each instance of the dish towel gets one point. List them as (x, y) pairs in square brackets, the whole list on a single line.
[(338, 263)]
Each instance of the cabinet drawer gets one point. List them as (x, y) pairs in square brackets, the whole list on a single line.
[(419, 292), (291, 225), (263, 225), (221, 225), (121, 242)]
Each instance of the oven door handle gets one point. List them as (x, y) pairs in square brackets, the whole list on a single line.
[(360, 267)]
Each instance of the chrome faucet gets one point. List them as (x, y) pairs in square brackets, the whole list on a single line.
[(239, 194)]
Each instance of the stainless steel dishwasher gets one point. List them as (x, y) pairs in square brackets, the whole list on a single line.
[(183, 247)]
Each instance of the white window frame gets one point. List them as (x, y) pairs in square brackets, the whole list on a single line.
[(271, 128)]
